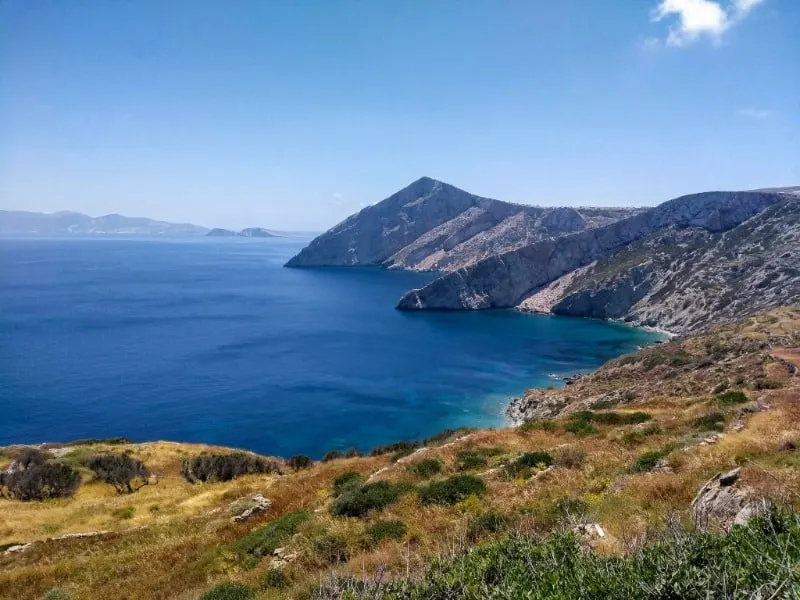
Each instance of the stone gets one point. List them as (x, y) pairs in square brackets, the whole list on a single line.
[(723, 502), (258, 505)]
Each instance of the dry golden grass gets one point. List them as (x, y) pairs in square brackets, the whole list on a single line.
[(178, 541)]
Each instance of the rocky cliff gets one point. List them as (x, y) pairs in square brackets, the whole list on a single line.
[(431, 225), (688, 262)]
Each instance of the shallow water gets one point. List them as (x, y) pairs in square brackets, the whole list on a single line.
[(211, 340)]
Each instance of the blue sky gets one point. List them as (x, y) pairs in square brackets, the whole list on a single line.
[(296, 114)]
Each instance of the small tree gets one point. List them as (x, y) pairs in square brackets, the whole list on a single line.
[(42, 481), (120, 470), (299, 461)]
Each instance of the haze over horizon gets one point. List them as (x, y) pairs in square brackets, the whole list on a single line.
[(294, 116)]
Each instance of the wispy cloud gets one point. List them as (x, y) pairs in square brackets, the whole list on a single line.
[(699, 18), (758, 114)]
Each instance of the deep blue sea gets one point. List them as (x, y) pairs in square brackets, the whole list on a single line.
[(212, 340)]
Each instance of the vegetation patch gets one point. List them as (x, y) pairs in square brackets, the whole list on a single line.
[(764, 383), (427, 468), (230, 590), (732, 397), (527, 464), (385, 530), (299, 462), (264, 540), (453, 490), (714, 421), (224, 467), (39, 479), (538, 425), (359, 501), (472, 458), (345, 481), (331, 548), (487, 523), (110, 441), (120, 470), (648, 460)]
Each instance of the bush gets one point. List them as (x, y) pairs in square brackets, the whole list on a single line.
[(758, 560), (446, 435), (470, 459), (570, 458), (580, 428), (537, 425), (490, 522), (453, 490), (615, 418), (119, 470), (396, 447), (230, 590), (299, 462), (31, 457), (648, 460), (124, 513), (345, 481), (764, 383), (523, 466), (264, 540), (276, 579), (353, 453), (386, 530), (224, 467), (112, 441), (426, 468), (332, 455), (732, 397), (714, 421), (331, 548), (42, 482), (358, 501)]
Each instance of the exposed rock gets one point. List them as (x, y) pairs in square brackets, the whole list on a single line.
[(20, 222), (723, 502), (508, 279), (431, 225), (17, 548), (589, 531), (258, 505)]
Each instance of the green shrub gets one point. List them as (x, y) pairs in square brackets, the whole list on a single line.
[(732, 397), (427, 468), (648, 460), (299, 462), (124, 513), (765, 383), (264, 540), (224, 467), (580, 427), (473, 458), (523, 466), (538, 425), (331, 548), (346, 481), (359, 501), (385, 530), (446, 435), (276, 579), (230, 590), (758, 560), (490, 522), (453, 490), (111, 441), (395, 447), (714, 421), (120, 470)]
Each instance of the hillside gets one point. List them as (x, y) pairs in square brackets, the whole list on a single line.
[(431, 225), (614, 460), (17, 222), (683, 265), (258, 232)]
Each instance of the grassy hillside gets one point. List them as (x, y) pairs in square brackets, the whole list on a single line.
[(626, 448)]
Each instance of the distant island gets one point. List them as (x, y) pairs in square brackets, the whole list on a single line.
[(259, 232), (21, 222)]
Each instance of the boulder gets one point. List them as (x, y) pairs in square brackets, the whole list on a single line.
[(258, 505), (723, 502)]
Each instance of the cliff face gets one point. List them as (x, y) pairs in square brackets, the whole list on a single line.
[(640, 262), (431, 225)]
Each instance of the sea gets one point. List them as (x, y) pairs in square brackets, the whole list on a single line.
[(212, 340)]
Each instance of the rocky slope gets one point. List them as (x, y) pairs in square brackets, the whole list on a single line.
[(431, 225), (687, 263)]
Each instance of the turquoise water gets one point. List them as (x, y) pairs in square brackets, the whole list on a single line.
[(211, 340)]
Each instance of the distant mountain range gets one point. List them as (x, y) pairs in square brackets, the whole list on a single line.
[(20, 222), (684, 265)]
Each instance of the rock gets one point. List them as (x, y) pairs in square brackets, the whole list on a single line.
[(415, 453), (17, 548), (723, 502), (589, 531), (376, 473), (258, 505)]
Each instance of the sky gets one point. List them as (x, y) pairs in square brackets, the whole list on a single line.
[(293, 115)]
